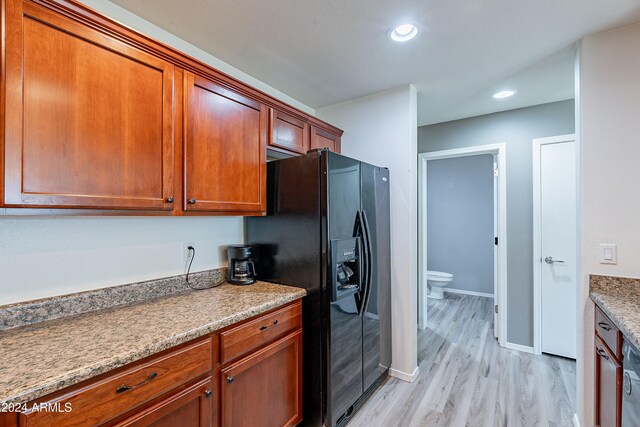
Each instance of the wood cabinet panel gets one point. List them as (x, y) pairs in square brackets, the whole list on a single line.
[(608, 387), (192, 407), (288, 132), (106, 399), (265, 388), (90, 122), (225, 149), (252, 335), (322, 139)]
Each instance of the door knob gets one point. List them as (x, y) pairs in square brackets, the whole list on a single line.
[(550, 260)]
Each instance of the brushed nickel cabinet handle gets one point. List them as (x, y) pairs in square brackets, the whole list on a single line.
[(603, 353), (192, 201), (230, 379), (169, 199), (208, 394), (275, 322), (125, 387), (604, 326)]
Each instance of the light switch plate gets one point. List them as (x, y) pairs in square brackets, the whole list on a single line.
[(608, 253)]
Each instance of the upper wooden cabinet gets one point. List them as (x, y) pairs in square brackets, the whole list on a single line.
[(288, 132), (94, 115), (320, 138), (224, 149), (89, 120)]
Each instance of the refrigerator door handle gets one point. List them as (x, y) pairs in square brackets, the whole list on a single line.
[(367, 232), (364, 263)]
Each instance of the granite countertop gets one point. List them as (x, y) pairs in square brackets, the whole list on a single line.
[(45, 357), (619, 299)]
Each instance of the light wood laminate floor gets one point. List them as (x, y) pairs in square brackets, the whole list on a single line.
[(467, 379)]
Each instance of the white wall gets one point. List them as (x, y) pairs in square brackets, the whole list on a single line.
[(609, 108), (460, 221), (47, 256), (382, 129)]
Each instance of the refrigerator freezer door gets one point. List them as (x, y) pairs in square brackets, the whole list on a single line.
[(376, 325), (289, 251), (345, 322)]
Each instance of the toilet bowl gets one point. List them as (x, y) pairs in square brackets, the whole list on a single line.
[(437, 280)]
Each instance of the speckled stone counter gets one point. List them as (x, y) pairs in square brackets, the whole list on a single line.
[(619, 299), (38, 359)]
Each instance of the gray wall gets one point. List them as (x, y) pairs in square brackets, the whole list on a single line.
[(516, 128), (460, 221)]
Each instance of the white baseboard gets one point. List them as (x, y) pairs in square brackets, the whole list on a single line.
[(460, 291), (519, 347), (576, 421), (403, 375)]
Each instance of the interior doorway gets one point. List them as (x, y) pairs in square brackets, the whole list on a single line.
[(498, 153), (555, 260)]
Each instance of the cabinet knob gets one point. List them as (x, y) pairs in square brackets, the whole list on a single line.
[(208, 394), (191, 201), (169, 199), (230, 379)]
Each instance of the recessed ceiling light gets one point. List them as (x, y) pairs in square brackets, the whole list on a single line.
[(403, 32), (504, 94)]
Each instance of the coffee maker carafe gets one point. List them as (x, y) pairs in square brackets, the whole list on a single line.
[(241, 268)]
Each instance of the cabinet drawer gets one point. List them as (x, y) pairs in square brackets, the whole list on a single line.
[(106, 399), (252, 335), (609, 333)]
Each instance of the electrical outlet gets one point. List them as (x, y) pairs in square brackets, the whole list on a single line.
[(187, 252)]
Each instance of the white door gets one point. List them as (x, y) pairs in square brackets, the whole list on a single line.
[(558, 293)]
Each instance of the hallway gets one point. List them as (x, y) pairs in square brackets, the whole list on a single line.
[(467, 379)]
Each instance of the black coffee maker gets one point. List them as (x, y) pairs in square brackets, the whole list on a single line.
[(241, 268)]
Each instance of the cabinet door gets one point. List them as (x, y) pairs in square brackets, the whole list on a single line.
[(608, 387), (288, 133), (89, 119), (265, 388), (323, 139), (192, 407), (225, 149)]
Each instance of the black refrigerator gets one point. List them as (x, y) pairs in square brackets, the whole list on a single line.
[(327, 231)]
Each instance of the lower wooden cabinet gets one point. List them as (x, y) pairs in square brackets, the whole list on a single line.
[(112, 397), (608, 388), (264, 389), (608, 372), (258, 384), (190, 407)]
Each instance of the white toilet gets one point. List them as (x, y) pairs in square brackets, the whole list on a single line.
[(437, 280)]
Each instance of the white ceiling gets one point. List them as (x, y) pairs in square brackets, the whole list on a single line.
[(322, 52)]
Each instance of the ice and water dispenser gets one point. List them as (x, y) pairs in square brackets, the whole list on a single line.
[(346, 267)]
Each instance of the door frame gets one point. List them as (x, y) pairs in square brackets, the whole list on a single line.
[(499, 151), (537, 229)]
